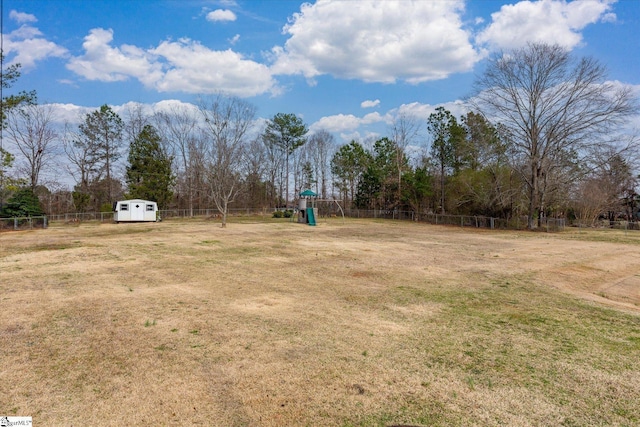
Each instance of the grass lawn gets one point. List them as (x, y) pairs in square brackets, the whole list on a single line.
[(350, 323)]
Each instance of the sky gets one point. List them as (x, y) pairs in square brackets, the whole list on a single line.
[(349, 67)]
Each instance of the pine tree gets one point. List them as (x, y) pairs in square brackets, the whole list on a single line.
[(149, 174)]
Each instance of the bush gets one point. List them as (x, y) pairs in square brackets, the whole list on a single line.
[(278, 214)]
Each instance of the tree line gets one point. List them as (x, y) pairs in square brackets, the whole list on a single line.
[(545, 135)]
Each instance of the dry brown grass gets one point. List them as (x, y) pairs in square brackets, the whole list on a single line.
[(344, 324)]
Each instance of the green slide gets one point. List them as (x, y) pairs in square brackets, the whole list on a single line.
[(311, 218)]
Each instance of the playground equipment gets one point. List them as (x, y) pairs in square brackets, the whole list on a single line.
[(307, 214)]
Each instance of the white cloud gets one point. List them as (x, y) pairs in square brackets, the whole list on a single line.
[(234, 39), (337, 123), (370, 104), (194, 68), (376, 41), (183, 65), (26, 46), (21, 17), (105, 63), (221, 15), (348, 122), (421, 111), (549, 21)]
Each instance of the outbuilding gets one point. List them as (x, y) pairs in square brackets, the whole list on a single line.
[(135, 210)]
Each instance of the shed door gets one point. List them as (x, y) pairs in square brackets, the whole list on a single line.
[(137, 211)]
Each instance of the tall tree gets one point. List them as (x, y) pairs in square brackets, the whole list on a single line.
[(227, 122), (555, 108), (321, 145), (348, 165), (177, 125), (149, 174), (404, 131), (288, 133), (447, 135), (30, 128), (83, 166), (102, 130), (258, 192), (10, 75)]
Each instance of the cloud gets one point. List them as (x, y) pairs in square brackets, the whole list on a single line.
[(234, 39), (548, 21), (221, 15), (21, 17), (376, 41), (181, 66), (109, 64), (26, 45), (348, 122), (194, 68), (370, 104)]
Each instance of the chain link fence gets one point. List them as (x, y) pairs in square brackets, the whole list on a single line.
[(516, 223), (23, 223)]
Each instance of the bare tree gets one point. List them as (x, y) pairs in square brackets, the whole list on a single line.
[(555, 108), (322, 146), (83, 165), (178, 126), (404, 131), (31, 129), (275, 160), (135, 119), (227, 121), (254, 169)]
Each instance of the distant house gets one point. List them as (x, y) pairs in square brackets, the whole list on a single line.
[(135, 210)]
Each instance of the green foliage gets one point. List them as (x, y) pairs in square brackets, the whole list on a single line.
[(7, 184), (283, 214), (149, 175), (417, 189), (23, 202), (446, 147), (286, 131), (9, 76), (81, 200), (100, 137), (348, 165)]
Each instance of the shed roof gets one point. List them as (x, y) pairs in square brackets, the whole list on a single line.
[(308, 193)]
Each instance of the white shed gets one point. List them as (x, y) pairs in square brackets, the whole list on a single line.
[(135, 210)]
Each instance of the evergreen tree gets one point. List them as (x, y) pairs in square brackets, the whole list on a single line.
[(101, 137), (24, 202), (288, 133), (149, 174)]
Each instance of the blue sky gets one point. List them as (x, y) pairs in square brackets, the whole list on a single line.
[(346, 66)]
